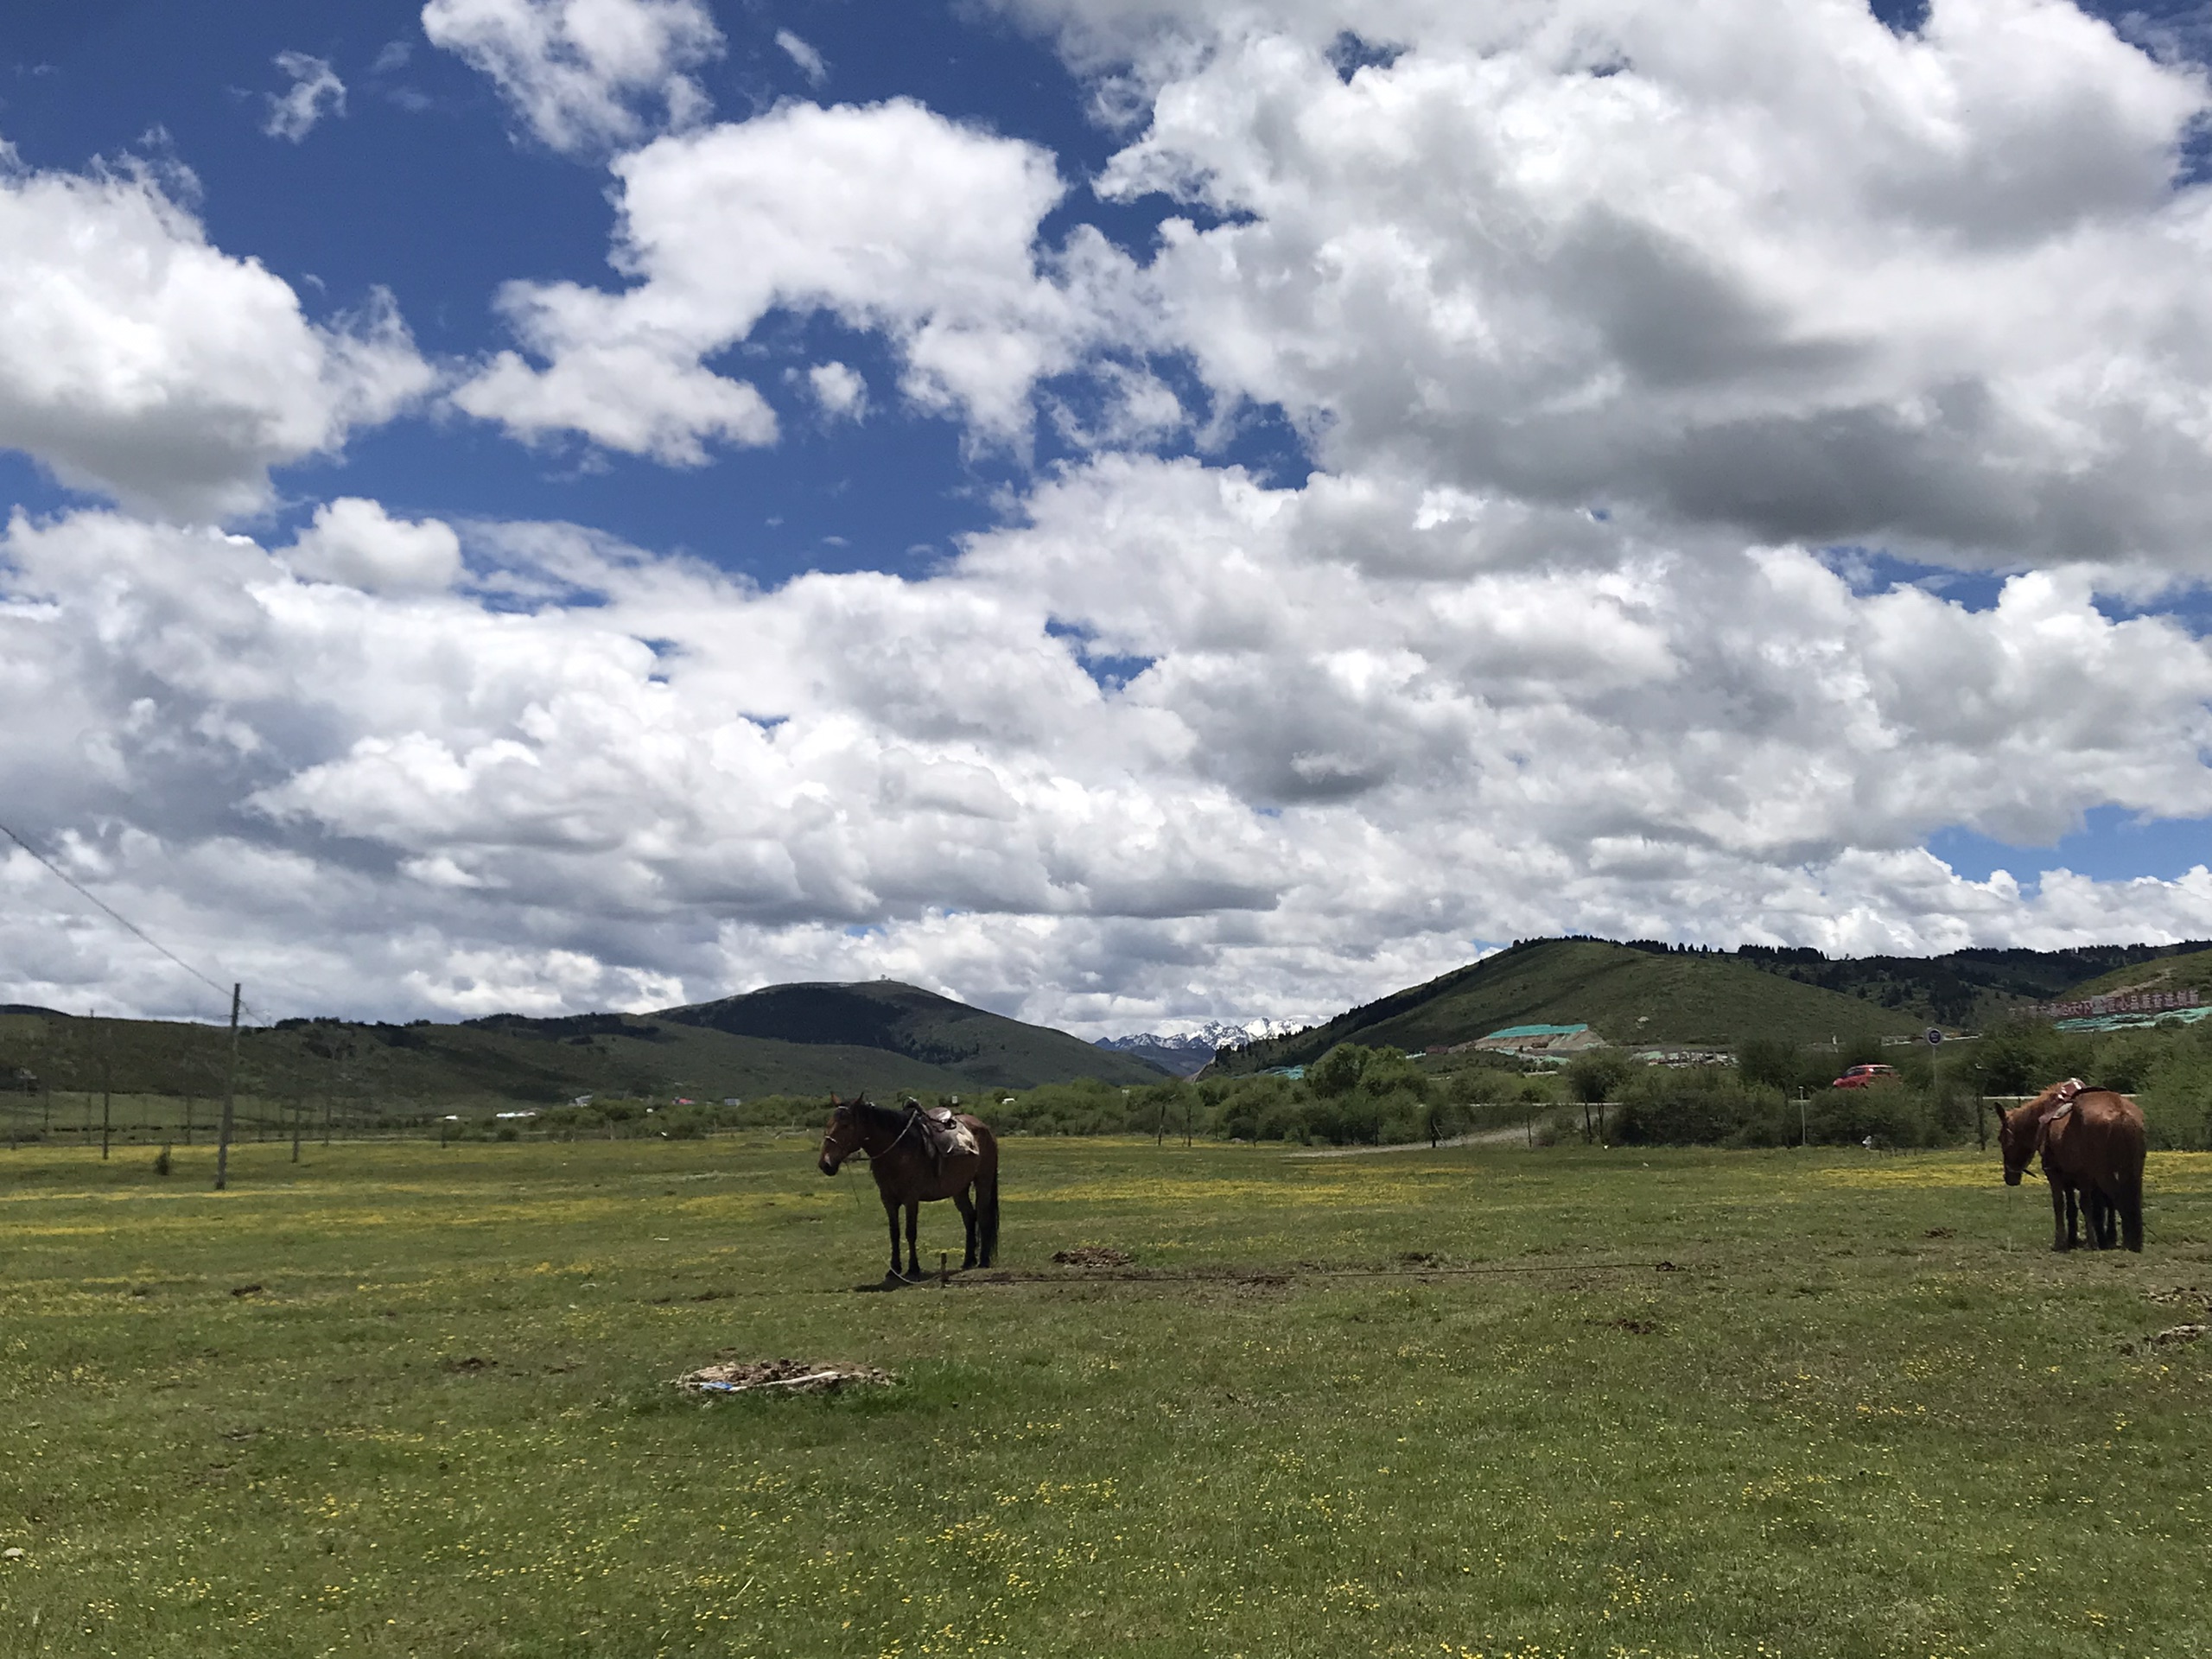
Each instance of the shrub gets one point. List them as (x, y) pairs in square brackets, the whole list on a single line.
[(1895, 1116), (1338, 1071), (1706, 1106), (1596, 1076)]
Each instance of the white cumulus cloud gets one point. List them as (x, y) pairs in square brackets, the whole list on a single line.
[(585, 75), (888, 217), (1335, 752), (811, 62), (314, 92), (141, 362), (838, 390), (1777, 268), (1626, 339), (357, 543)]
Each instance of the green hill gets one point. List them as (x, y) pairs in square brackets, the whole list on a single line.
[(1630, 996), (976, 1048), (882, 1037), (2190, 967), (1966, 988)]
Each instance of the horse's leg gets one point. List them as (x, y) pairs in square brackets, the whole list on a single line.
[(2061, 1215), (967, 1207), (2096, 1216), (891, 1215), (913, 1254)]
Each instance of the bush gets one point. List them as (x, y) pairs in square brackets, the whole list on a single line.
[(1338, 1071), (1895, 1116), (1706, 1106)]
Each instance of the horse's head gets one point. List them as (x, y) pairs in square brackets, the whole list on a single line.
[(2020, 1131), (843, 1138), (2016, 1142)]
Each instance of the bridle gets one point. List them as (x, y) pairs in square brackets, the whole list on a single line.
[(860, 1148)]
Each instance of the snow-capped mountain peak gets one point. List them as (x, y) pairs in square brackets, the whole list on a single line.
[(1203, 1038)]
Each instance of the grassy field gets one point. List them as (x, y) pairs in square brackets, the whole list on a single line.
[(402, 1400)]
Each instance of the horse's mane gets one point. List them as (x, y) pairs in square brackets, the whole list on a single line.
[(884, 1117), (2059, 1095)]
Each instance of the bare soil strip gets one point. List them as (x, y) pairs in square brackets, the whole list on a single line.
[(995, 1276), (1513, 1136)]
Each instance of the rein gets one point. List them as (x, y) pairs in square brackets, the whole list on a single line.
[(912, 1118), (861, 1149), (2069, 1095)]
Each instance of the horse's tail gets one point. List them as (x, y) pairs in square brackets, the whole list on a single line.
[(987, 1213), (2133, 1140)]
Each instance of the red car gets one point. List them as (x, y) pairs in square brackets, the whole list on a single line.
[(1866, 1077)]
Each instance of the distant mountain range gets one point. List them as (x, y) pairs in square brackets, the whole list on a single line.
[(964, 1046), (877, 1035), (808, 1039), (1187, 1052)]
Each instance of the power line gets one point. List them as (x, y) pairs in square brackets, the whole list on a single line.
[(114, 914)]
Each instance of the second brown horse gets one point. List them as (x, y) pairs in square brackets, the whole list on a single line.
[(2092, 1144)]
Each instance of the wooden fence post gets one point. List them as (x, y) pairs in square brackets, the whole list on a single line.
[(230, 1100)]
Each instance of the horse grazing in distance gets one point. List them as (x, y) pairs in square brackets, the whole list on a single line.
[(2092, 1144), (917, 1161)]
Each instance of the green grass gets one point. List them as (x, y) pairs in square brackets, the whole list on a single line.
[(443, 1425)]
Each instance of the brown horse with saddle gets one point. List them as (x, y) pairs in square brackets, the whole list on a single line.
[(920, 1154), (2092, 1144)]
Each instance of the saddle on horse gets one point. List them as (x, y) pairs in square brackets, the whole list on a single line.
[(943, 1135)]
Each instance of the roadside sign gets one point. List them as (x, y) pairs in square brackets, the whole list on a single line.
[(1934, 1036)]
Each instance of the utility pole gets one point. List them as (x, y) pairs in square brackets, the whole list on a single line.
[(187, 1120), (299, 1111), (107, 1085), (230, 1100)]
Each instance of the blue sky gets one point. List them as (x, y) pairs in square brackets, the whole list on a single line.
[(438, 203), (1428, 476), (420, 188)]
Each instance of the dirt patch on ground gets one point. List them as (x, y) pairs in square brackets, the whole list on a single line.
[(2179, 1333), (1278, 1278), (780, 1377), (2183, 1296), (1091, 1255)]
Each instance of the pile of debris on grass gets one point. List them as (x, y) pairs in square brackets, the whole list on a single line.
[(781, 1375), (1091, 1255), (2183, 1296)]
